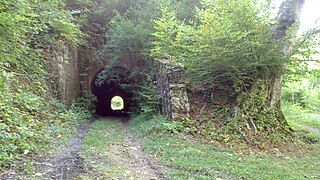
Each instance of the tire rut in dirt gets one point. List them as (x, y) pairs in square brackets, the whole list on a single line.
[(152, 168), (67, 164)]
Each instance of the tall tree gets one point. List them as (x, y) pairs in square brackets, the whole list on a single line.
[(287, 16), (235, 55), (270, 88)]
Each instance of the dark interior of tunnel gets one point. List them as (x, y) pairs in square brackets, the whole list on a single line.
[(110, 87)]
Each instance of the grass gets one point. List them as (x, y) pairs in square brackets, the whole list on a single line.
[(191, 159), (59, 134), (300, 120), (99, 149)]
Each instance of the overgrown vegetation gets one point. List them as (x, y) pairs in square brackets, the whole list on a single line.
[(235, 57), (185, 157), (302, 88), (28, 114), (236, 60), (300, 98)]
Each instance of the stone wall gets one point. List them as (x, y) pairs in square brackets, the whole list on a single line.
[(171, 86), (63, 66), (73, 69)]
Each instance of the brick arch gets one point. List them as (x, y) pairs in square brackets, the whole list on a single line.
[(110, 88), (170, 80), (94, 66)]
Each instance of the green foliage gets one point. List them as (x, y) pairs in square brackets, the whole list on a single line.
[(265, 123), (115, 27), (128, 38), (144, 93), (302, 89), (147, 98), (25, 120), (253, 123), (233, 48), (147, 124), (193, 158), (295, 94), (87, 101), (167, 28), (122, 29), (27, 28)]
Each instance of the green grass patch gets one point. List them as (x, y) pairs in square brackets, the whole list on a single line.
[(300, 120), (60, 133), (191, 159), (41, 133), (100, 146)]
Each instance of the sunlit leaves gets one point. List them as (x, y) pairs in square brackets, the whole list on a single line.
[(230, 45)]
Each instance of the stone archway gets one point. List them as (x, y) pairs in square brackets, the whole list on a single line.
[(106, 84)]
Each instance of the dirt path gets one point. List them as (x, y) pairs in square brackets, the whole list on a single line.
[(121, 155), (68, 163), (116, 153), (145, 167), (311, 129)]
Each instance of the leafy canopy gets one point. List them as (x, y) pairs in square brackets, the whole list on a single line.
[(228, 47)]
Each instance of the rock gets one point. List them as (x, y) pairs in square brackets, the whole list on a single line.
[(171, 86), (275, 150)]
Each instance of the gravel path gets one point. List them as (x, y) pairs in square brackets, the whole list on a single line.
[(126, 154)]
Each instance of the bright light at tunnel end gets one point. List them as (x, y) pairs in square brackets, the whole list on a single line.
[(117, 103)]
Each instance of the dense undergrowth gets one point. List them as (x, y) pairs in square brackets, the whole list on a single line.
[(29, 122), (227, 62), (29, 116)]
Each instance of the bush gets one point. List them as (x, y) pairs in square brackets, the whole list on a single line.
[(303, 93), (87, 101), (25, 118), (294, 93)]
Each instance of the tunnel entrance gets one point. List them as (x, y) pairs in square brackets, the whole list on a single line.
[(112, 98)]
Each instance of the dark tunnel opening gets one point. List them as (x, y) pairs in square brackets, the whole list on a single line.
[(106, 85)]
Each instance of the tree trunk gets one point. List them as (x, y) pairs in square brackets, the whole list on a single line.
[(259, 108), (288, 15)]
